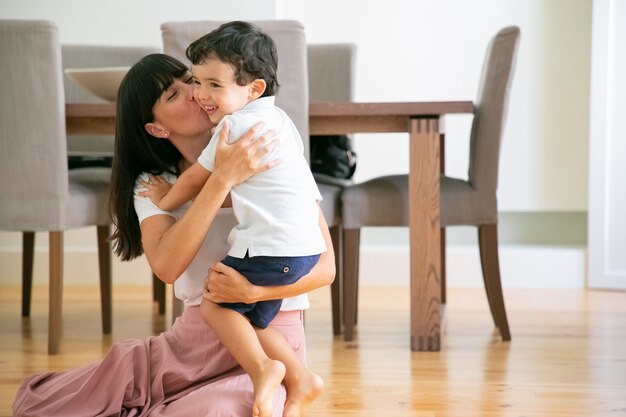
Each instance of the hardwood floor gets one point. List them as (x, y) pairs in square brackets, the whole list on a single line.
[(567, 357)]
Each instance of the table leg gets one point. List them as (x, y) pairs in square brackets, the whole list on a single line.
[(425, 234)]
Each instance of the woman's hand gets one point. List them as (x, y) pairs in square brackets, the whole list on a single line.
[(225, 285), (235, 163)]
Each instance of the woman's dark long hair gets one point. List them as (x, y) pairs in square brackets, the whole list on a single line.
[(136, 151)]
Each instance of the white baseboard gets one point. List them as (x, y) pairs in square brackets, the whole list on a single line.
[(522, 266)]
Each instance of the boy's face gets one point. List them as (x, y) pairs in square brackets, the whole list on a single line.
[(216, 91)]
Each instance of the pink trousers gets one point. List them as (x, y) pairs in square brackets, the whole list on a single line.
[(185, 371)]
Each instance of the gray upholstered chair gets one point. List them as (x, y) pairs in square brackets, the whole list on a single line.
[(293, 95), (331, 70), (97, 146), (383, 201), (38, 192), (94, 56)]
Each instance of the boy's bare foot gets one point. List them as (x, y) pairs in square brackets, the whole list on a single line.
[(265, 386), (301, 393)]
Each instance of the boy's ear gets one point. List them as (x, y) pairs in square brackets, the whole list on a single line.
[(156, 130), (257, 88)]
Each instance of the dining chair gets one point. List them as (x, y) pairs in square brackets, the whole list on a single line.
[(383, 201), (97, 150), (293, 95), (95, 56), (39, 193), (331, 73)]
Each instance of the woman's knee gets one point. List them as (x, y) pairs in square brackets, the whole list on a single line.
[(291, 325)]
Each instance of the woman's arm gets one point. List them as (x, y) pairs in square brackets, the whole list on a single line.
[(226, 285), (171, 245)]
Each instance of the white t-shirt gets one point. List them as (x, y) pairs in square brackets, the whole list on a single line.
[(277, 210), (188, 287)]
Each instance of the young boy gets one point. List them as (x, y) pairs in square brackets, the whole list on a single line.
[(277, 239)]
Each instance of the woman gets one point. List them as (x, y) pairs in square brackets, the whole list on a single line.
[(184, 371)]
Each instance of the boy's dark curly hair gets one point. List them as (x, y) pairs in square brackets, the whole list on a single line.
[(250, 51)]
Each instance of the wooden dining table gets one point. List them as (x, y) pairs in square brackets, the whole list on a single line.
[(421, 121)]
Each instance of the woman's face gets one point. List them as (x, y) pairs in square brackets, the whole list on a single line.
[(177, 113)]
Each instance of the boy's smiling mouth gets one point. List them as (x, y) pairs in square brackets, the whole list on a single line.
[(210, 110)]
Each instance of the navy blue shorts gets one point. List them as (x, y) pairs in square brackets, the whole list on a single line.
[(268, 271)]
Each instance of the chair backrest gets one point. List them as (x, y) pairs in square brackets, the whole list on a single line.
[(94, 56), (332, 68), (289, 37), (491, 109), (33, 155), (331, 71)]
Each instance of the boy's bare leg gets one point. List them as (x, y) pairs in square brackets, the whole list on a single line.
[(241, 340), (303, 386)]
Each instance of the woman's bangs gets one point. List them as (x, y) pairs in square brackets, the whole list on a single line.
[(159, 72), (166, 70)]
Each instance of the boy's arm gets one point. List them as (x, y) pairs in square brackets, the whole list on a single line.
[(186, 188)]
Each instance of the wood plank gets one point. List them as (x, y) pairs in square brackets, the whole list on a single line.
[(425, 234), (324, 117), (338, 124), (423, 108), (90, 125), (98, 110), (568, 358), (55, 298)]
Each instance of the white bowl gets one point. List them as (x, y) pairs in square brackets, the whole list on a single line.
[(102, 82)]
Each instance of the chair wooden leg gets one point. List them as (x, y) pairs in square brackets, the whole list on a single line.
[(158, 293), (350, 280), (442, 170), (56, 291), (104, 262), (335, 288), (443, 265), (488, 241), (28, 257), (155, 294), (177, 306), (356, 281)]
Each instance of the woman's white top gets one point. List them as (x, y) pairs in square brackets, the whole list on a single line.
[(188, 287)]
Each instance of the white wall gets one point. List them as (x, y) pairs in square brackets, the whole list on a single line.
[(408, 50), (122, 22), (412, 50), (427, 50)]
